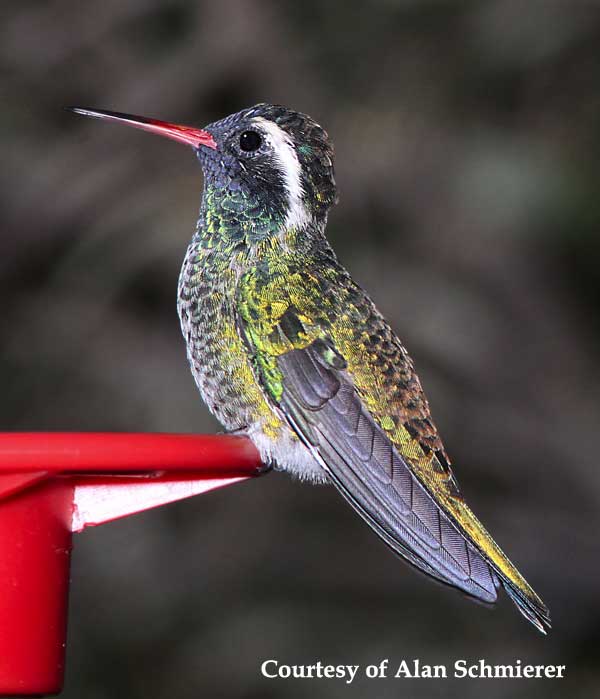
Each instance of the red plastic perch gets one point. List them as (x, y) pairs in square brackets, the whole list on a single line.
[(53, 484)]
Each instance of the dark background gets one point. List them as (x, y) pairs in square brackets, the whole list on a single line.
[(468, 163)]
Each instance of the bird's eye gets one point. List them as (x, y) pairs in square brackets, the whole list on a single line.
[(250, 140)]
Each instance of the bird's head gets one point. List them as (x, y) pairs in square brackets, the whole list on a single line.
[(278, 160)]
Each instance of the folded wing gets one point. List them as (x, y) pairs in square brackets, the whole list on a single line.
[(334, 368), (325, 409)]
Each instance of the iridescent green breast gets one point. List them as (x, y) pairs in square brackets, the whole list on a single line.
[(218, 357)]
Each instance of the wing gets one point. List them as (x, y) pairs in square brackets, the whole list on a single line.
[(346, 386)]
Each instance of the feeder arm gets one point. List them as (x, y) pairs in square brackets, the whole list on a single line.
[(54, 484)]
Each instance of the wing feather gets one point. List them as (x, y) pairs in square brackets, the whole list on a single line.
[(381, 451), (373, 477)]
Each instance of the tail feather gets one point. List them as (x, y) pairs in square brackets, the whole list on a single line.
[(515, 585), (532, 608)]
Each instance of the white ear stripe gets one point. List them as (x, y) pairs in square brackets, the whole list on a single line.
[(291, 171)]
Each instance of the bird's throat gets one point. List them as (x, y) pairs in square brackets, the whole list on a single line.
[(234, 224), (230, 218)]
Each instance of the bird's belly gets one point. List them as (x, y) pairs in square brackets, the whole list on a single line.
[(223, 372), (287, 453), (221, 365)]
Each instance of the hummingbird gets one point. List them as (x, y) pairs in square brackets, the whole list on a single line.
[(286, 348)]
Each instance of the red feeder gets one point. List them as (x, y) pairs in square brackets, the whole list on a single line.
[(54, 484)]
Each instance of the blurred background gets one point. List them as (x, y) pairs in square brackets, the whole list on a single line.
[(468, 140)]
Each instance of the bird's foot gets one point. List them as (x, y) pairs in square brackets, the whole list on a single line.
[(238, 432)]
